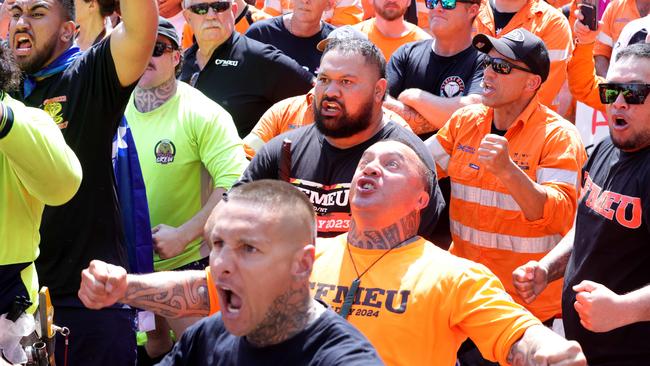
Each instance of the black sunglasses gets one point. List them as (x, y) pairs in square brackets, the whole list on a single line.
[(633, 93), (160, 47), (217, 6), (501, 66), (446, 4)]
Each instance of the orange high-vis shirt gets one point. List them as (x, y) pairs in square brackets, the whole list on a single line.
[(617, 14), (423, 15), (418, 303), (245, 19), (344, 12), (547, 23), (289, 114), (487, 225), (389, 45), (583, 81)]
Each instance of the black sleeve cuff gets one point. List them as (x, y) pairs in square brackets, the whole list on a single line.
[(7, 120)]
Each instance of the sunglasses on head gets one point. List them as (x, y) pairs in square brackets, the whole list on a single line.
[(160, 47), (446, 4), (501, 66), (217, 6), (633, 93)]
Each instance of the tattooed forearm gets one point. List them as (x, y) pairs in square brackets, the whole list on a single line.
[(146, 100), (289, 314), (416, 121), (169, 294), (386, 237)]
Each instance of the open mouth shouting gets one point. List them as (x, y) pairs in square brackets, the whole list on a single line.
[(231, 302), (22, 45), (330, 108), (619, 122)]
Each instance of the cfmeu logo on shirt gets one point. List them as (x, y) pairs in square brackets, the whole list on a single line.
[(220, 62), (165, 151)]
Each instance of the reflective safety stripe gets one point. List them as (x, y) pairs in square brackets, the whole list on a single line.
[(517, 244), (439, 154), (545, 175), (604, 38), (558, 55), (484, 197), (254, 141)]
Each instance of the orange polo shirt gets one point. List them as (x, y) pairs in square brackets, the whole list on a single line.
[(547, 23), (388, 45), (617, 14), (487, 225)]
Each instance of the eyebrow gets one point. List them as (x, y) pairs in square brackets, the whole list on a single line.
[(34, 7)]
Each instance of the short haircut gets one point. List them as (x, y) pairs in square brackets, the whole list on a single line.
[(68, 9), (640, 50), (366, 49), (9, 71), (276, 196), (427, 175)]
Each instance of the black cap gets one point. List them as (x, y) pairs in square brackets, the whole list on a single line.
[(519, 45), (166, 28)]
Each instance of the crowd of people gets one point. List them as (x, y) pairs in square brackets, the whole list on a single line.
[(232, 182)]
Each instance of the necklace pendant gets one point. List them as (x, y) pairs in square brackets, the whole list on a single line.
[(349, 298)]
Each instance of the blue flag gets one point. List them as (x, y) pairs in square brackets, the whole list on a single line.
[(132, 197)]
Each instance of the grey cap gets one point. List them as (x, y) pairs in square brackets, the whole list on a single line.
[(166, 28), (343, 32)]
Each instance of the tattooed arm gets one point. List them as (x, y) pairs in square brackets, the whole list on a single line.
[(168, 294), (418, 123), (533, 277), (541, 346)]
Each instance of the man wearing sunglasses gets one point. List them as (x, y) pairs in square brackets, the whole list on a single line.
[(296, 34), (499, 17), (244, 76), (605, 259), (85, 93), (179, 132), (514, 166)]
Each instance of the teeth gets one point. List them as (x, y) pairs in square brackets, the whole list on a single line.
[(232, 310), (367, 186)]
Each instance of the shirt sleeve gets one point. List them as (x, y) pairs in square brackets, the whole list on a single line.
[(221, 149), (212, 292), (441, 144), (485, 312), (395, 71), (38, 154), (557, 38), (559, 172), (583, 81)]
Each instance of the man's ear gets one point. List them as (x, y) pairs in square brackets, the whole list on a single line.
[(68, 30), (534, 82), (380, 89), (303, 262)]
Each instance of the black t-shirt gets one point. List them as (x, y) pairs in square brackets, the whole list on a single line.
[(612, 247), (246, 77), (415, 65), (87, 102), (302, 49), (329, 340), (500, 19), (324, 173)]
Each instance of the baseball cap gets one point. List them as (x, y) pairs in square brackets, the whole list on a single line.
[(519, 45), (343, 32), (166, 28)]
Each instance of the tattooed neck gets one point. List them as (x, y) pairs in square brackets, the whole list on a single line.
[(146, 100), (394, 235), (289, 314)]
